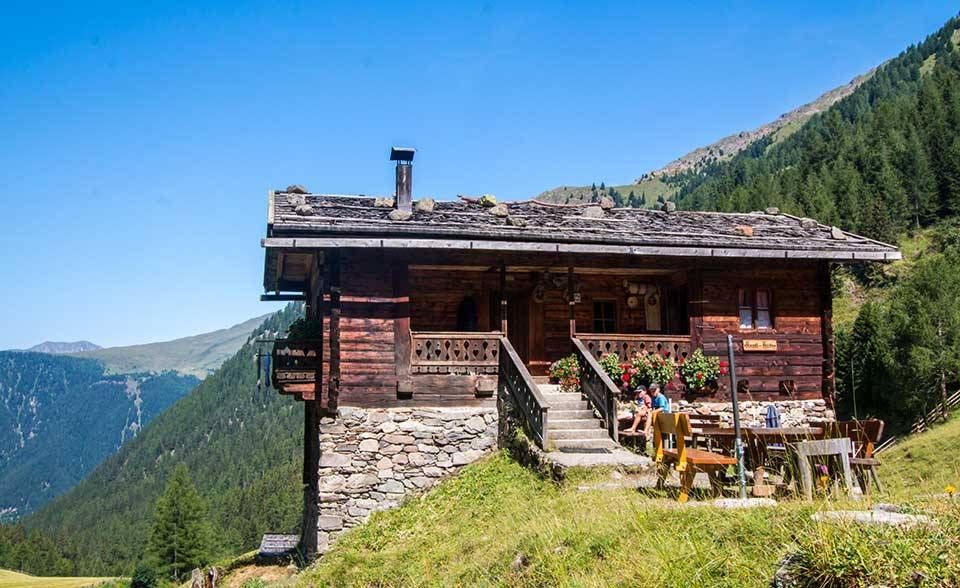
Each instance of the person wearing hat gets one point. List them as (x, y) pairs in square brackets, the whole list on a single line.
[(643, 402)]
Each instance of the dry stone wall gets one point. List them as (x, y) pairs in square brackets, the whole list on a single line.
[(793, 413), (370, 459)]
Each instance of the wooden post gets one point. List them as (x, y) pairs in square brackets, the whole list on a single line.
[(309, 539), (826, 334), (401, 329), (503, 299), (333, 390), (695, 308), (570, 293)]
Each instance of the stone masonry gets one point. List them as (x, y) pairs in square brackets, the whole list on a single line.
[(371, 458), (793, 413)]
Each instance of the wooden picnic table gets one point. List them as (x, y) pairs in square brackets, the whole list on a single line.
[(758, 440)]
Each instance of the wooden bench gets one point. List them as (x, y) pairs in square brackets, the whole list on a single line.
[(686, 460)]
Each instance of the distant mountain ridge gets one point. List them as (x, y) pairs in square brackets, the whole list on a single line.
[(62, 347), (61, 413), (661, 182), (197, 355)]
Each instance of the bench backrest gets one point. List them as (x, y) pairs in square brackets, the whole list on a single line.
[(676, 424), (864, 435)]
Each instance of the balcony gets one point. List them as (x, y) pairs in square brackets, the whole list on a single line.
[(297, 367)]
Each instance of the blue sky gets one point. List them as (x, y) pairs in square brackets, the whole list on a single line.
[(138, 142)]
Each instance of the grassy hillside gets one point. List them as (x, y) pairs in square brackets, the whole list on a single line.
[(649, 187), (198, 355), (498, 524), (243, 451)]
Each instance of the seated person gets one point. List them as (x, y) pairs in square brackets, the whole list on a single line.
[(641, 409), (658, 403)]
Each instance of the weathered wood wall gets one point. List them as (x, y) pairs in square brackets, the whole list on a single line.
[(796, 309), (382, 301)]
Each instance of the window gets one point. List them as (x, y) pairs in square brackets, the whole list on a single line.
[(604, 316), (755, 308)]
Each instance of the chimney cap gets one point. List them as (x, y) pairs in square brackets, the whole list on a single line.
[(402, 153)]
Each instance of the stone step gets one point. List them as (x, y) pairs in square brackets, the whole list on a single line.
[(567, 414), (592, 433), (568, 405), (551, 389), (606, 443), (561, 397), (587, 423)]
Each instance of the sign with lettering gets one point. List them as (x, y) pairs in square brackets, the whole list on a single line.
[(759, 344)]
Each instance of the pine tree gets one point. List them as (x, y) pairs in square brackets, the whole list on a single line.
[(180, 539)]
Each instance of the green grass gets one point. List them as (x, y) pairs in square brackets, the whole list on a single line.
[(10, 579), (471, 529), (925, 463), (651, 187)]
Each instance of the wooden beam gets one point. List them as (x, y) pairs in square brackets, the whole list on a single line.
[(834, 253), (283, 297), (826, 332), (402, 341), (333, 388), (572, 304), (503, 299), (695, 307)]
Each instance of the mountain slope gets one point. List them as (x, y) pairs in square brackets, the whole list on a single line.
[(885, 158), (62, 415), (58, 347), (244, 454), (662, 183), (198, 355)]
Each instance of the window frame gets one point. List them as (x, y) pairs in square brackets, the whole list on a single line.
[(753, 306), (614, 319)]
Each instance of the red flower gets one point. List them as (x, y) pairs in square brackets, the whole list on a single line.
[(724, 363), (666, 353), (625, 378), (723, 371)]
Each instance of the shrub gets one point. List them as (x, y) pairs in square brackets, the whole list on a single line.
[(566, 372), (144, 576), (699, 370), (610, 362)]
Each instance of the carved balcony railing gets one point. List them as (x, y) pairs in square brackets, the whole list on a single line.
[(454, 352), (297, 366), (596, 385), (516, 382), (626, 346)]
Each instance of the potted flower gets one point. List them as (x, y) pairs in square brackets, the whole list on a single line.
[(652, 367), (566, 372), (699, 372)]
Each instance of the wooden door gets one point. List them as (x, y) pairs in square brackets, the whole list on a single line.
[(518, 320)]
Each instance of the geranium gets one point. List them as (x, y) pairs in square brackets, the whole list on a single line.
[(566, 372), (699, 370), (652, 367)]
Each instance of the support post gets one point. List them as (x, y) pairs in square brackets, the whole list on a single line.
[(828, 381), (309, 539), (503, 299), (333, 390), (737, 441), (695, 308), (402, 342), (570, 293)]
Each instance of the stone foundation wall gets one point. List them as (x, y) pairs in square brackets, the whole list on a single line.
[(793, 413), (370, 459)]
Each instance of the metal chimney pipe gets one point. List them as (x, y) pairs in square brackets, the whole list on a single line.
[(404, 190)]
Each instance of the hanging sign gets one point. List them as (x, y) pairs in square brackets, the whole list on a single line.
[(759, 344)]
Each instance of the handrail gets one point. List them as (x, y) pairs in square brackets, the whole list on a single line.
[(446, 351), (515, 380), (600, 390)]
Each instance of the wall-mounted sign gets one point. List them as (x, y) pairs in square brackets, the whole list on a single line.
[(759, 344)]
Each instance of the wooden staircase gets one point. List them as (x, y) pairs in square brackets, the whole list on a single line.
[(573, 424)]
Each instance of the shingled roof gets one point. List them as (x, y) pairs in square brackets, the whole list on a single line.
[(325, 220)]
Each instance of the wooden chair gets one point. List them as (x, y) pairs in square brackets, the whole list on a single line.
[(686, 460), (864, 435)]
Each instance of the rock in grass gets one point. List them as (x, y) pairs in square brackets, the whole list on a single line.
[(743, 502), (874, 517), (519, 563)]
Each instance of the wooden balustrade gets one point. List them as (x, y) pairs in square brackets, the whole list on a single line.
[(626, 346), (597, 386), (454, 352), (296, 362), (515, 381)]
